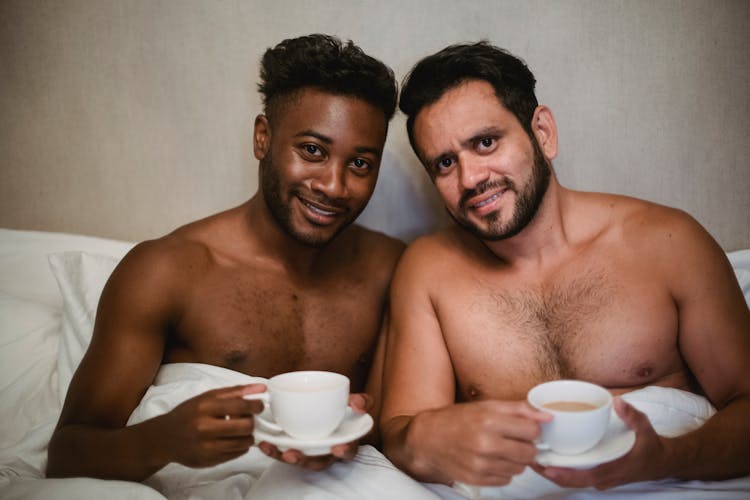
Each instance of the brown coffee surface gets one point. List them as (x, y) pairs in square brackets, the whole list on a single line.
[(569, 406)]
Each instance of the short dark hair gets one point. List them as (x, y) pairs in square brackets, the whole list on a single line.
[(435, 74), (325, 63)]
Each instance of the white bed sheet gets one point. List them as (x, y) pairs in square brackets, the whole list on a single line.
[(30, 326)]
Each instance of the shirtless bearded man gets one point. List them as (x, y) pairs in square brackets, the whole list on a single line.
[(538, 282), (283, 282)]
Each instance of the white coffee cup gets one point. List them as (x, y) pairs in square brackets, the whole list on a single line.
[(581, 413), (306, 405)]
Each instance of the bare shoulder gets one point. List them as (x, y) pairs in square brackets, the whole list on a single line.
[(449, 244), (189, 247), (637, 223), (658, 229), (437, 256), (667, 239), (165, 255), (156, 267)]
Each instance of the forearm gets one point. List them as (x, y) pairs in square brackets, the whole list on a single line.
[(130, 453), (720, 449)]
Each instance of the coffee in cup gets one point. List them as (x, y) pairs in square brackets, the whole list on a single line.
[(569, 406), (306, 405), (580, 410)]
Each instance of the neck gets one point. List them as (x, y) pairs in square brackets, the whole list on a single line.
[(544, 238), (275, 244)]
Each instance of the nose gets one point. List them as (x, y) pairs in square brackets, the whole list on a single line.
[(330, 180), (472, 171)]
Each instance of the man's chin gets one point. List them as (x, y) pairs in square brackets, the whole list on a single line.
[(483, 229), (316, 239)]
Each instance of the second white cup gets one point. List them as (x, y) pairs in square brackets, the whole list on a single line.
[(307, 405), (581, 413)]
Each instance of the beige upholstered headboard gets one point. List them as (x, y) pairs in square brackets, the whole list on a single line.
[(126, 119)]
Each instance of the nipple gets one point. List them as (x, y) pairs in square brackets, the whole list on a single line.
[(645, 371), (473, 392)]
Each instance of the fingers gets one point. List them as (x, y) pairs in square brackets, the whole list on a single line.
[(236, 428), (238, 391), (270, 450), (488, 472), (601, 478), (296, 457), (567, 478), (489, 479), (237, 407), (524, 409), (360, 402), (229, 401), (345, 451), (519, 452), (508, 427)]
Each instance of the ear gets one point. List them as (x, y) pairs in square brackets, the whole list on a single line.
[(545, 130), (261, 137)]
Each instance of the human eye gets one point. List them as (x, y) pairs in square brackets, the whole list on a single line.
[(311, 151), (444, 163), (361, 165), (485, 144)]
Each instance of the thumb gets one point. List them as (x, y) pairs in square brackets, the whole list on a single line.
[(633, 418)]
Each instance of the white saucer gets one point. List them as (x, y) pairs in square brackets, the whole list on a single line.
[(616, 442), (354, 426)]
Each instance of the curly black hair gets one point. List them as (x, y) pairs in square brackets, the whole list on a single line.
[(326, 63), (435, 74)]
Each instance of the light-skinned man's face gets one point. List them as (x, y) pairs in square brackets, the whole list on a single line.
[(490, 174), (319, 162)]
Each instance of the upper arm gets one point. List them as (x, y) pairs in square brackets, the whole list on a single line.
[(127, 345), (385, 262), (418, 373), (714, 320), (375, 377)]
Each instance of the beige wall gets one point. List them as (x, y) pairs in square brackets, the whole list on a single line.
[(126, 118)]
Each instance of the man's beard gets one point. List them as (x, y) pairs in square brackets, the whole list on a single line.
[(282, 213), (525, 208)]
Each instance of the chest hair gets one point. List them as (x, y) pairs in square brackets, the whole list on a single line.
[(556, 321)]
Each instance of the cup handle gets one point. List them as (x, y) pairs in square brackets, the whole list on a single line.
[(264, 423), (540, 445)]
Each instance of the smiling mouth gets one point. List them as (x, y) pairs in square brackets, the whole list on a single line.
[(487, 201), (321, 214), (483, 205), (318, 210)]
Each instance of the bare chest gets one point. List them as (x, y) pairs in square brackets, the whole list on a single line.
[(612, 328), (261, 324)]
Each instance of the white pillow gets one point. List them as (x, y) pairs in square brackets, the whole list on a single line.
[(81, 277), (24, 272), (740, 261)]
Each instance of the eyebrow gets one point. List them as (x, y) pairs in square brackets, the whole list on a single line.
[(312, 133), (328, 140)]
